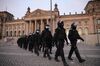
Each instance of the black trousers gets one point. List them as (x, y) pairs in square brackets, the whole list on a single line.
[(25, 45), (60, 51), (36, 49), (74, 49), (31, 45), (47, 52)]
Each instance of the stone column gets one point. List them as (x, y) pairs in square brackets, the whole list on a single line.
[(4, 30), (31, 27), (17, 31), (50, 24), (41, 25), (35, 25), (53, 26), (92, 25), (47, 21), (21, 29), (30, 23), (13, 30), (26, 28)]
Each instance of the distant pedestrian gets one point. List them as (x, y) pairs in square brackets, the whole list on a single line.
[(73, 37)]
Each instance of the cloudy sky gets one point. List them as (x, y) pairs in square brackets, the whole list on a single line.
[(19, 7)]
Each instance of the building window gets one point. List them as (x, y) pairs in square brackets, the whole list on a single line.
[(6, 33), (98, 30), (86, 31), (23, 26), (14, 33), (80, 31), (99, 21), (80, 24), (10, 33), (18, 27), (98, 25), (0, 20), (86, 23), (19, 33), (6, 27), (9, 28), (23, 32)]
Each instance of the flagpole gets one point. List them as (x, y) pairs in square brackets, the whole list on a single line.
[(51, 15), (51, 10)]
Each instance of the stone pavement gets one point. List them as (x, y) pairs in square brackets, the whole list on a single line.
[(12, 55)]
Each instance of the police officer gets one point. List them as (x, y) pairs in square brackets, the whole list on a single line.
[(59, 38), (19, 42), (73, 37), (47, 41), (31, 42), (25, 42), (37, 39)]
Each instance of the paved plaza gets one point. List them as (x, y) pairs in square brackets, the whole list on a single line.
[(12, 55)]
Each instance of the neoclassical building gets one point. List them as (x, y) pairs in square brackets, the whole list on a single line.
[(88, 22)]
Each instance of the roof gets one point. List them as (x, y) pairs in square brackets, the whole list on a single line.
[(6, 12), (39, 12)]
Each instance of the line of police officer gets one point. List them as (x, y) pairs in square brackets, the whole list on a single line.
[(45, 41)]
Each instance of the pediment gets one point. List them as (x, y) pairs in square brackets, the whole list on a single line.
[(39, 12)]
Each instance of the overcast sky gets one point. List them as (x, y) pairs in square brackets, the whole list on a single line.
[(19, 7)]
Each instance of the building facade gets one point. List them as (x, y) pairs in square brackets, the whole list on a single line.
[(88, 22)]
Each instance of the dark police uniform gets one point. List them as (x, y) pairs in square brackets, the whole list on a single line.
[(31, 42), (59, 38), (25, 42), (47, 41), (73, 37), (19, 42), (37, 42)]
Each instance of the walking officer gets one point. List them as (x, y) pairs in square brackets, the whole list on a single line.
[(31, 42), (47, 41), (59, 38), (37, 41), (73, 37)]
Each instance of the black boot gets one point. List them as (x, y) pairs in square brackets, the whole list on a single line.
[(37, 54), (49, 58), (65, 63), (44, 55), (56, 59), (70, 58), (50, 52), (82, 60)]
